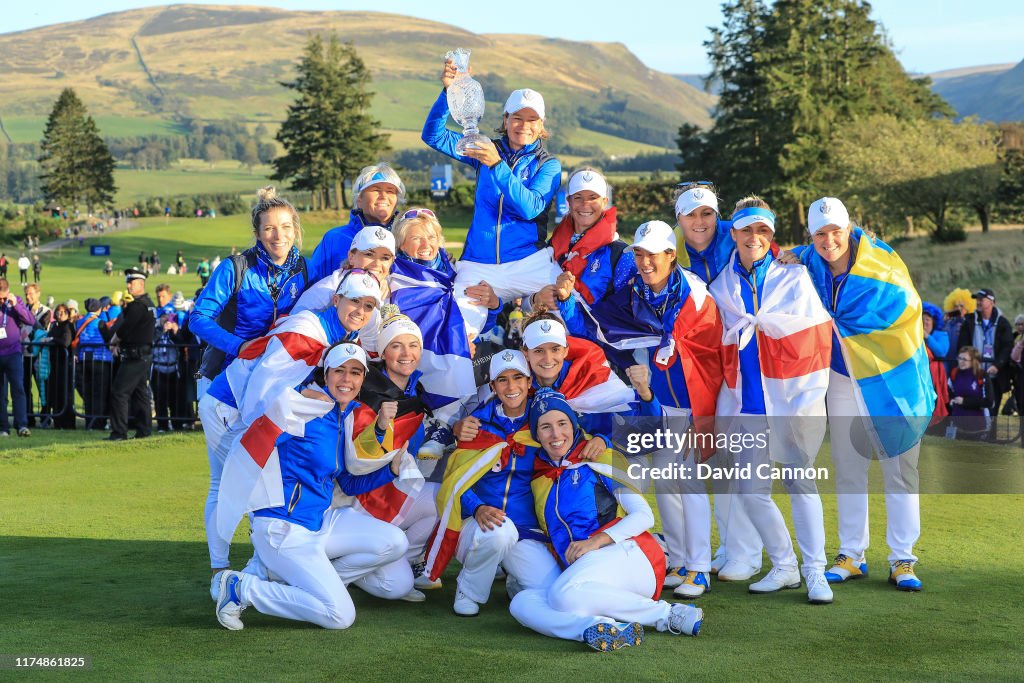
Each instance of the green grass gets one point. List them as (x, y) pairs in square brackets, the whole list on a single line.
[(30, 128), (613, 146), (104, 555), (186, 178)]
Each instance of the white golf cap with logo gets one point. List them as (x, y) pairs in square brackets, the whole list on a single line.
[(358, 285), (588, 180), (372, 237), (694, 198), (827, 211), (654, 237), (543, 332), (509, 359), (525, 99), (342, 353)]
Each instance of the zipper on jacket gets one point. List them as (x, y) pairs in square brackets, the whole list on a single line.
[(558, 482), (753, 290), (508, 482), (668, 381), (296, 494), (501, 207)]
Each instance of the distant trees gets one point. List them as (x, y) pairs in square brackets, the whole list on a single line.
[(77, 165), (328, 134), (794, 75)]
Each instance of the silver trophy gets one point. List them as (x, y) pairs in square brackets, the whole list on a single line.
[(465, 102)]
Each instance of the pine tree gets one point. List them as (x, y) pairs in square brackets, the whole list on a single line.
[(328, 134), (793, 74), (77, 165)]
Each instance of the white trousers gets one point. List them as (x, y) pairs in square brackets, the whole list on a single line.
[(481, 551), (508, 280), (612, 584), (808, 516), (899, 477), (420, 519), (221, 425), (685, 511), (315, 567)]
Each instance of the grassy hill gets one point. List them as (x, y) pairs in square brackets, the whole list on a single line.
[(994, 92), (141, 69)]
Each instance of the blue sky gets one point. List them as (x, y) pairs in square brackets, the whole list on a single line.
[(928, 35)]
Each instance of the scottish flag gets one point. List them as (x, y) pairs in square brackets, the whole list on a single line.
[(427, 296)]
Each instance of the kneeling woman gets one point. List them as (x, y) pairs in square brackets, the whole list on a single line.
[(316, 550), (612, 566)]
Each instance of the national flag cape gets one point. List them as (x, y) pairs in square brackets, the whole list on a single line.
[(590, 386), (877, 318), (470, 461), (427, 296), (687, 335), (283, 357), (794, 346), (363, 455)]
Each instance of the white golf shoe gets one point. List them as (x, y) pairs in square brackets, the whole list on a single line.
[(776, 580)]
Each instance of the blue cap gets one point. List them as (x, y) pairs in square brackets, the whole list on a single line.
[(546, 400)]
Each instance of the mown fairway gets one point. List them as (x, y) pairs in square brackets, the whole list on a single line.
[(104, 555)]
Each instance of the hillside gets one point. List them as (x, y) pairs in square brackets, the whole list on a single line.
[(210, 62), (993, 93)]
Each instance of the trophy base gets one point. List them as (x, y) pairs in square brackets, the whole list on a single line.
[(471, 141)]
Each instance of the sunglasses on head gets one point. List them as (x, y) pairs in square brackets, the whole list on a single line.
[(413, 213), (696, 183)]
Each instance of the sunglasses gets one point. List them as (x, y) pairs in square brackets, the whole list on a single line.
[(354, 271), (696, 183), (413, 213), (963, 358)]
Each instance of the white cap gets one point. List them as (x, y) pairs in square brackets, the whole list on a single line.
[(508, 359), (655, 237), (544, 331), (374, 236), (358, 285), (396, 326), (525, 99), (588, 180), (338, 355), (827, 211), (694, 198), (378, 173)]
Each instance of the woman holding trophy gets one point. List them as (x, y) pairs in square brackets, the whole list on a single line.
[(516, 181)]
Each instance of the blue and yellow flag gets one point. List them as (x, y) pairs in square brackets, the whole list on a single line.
[(877, 313)]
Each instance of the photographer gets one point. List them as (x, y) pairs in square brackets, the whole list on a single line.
[(13, 312), (132, 333)]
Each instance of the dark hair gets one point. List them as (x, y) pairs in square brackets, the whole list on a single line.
[(163, 287)]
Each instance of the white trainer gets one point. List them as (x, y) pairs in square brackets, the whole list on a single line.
[(684, 619), (414, 596), (421, 580), (776, 580), (818, 590), (512, 586), (464, 606), (229, 606), (734, 570)]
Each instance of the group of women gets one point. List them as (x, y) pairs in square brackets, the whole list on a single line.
[(340, 383)]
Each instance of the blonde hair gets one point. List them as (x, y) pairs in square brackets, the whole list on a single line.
[(266, 200), (751, 202), (403, 224)]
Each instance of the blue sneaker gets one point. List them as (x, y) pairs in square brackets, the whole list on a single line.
[(902, 576), (229, 605), (845, 568), (694, 585), (674, 576), (607, 637)]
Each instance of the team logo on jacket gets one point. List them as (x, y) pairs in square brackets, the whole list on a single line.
[(294, 290), (379, 234), (595, 265), (575, 477), (698, 194)]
